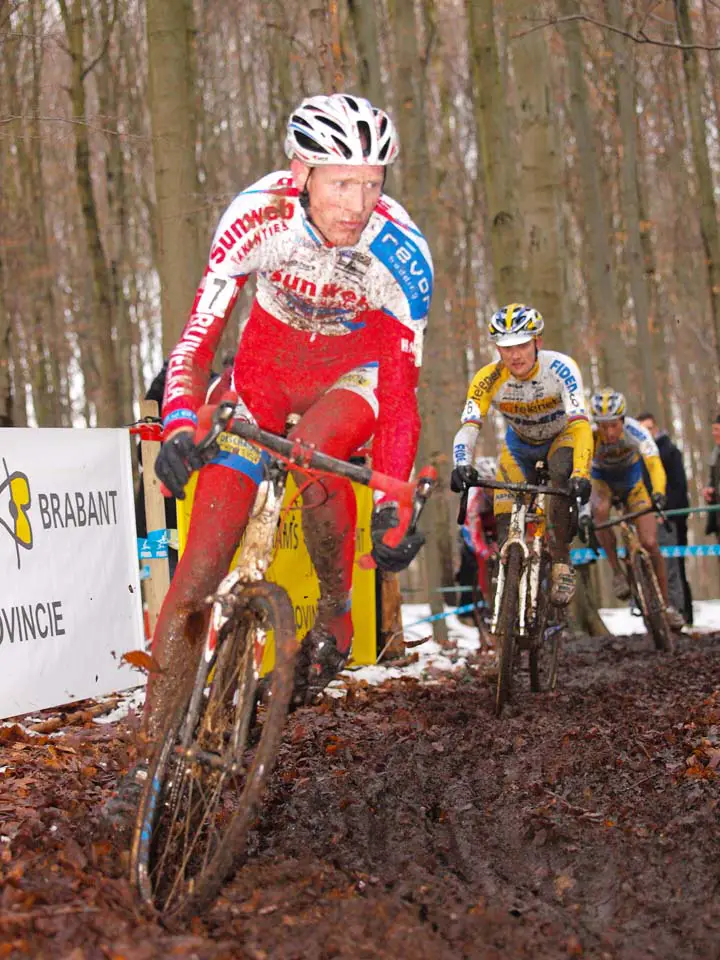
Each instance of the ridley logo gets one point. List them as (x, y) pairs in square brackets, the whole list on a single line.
[(18, 486), (281, 209)]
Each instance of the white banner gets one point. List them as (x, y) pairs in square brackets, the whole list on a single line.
[(70, 601)]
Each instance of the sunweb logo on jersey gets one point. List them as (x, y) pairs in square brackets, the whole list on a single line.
[(15, 501)]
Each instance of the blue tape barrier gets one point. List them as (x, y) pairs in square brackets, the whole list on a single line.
[(154, 546), (586, 555), (465, 608)]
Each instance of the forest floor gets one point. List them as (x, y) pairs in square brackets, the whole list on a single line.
[(405, 820)]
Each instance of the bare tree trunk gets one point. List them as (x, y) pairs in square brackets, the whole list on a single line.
[(322, 43), (364, 20), (541, 177), (604, 313), (625, 80), (117, 200), (701, 162), (109, 412), (492, 125), (419, 196), (172, 107)]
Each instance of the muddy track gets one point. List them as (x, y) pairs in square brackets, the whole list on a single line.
[(407, 821)]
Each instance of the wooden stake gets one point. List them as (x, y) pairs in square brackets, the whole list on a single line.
[(156, 586)]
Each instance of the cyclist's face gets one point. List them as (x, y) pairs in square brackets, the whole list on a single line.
[(520, 358), (611, 430), (341, 198)]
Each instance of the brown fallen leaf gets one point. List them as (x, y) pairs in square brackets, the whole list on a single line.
[(143, 661), (14, 734)]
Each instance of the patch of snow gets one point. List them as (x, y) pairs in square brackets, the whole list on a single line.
[(621, 622), (133, 699), (431, 656)]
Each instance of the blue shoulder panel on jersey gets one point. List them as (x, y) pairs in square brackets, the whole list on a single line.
[(407, 263)]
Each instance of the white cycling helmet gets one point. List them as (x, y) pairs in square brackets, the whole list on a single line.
[(607, 404), (515, 323), (341, 129)]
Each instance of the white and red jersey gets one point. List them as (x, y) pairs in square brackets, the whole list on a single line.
[(320, 293)]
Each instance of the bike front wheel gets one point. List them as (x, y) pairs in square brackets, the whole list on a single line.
[(208, 773), (544, 636), (507, 624), (651, 602)]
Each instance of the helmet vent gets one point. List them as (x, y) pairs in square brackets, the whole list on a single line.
[(365, 138), (335, 127), (343, 148), (308, 143)]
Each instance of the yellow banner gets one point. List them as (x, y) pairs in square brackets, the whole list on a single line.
[(292, 568)]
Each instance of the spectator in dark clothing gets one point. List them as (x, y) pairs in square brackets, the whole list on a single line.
[(712, 490), (679, 592)]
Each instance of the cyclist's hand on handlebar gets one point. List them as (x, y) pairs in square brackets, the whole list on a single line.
[(580, 488), (659, 501), (392, 559), (463, 476), (178, 458)]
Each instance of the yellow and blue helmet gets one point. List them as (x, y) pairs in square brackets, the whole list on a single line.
[(607, 404), (515, 323)]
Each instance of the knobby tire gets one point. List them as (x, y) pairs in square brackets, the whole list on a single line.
[(507, 625), (651, 602), (543, 655), (194, 817)]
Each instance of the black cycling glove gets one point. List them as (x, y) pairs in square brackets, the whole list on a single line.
[(659, 501), (462, 477), (580, 488), (392, 559), (177, 460)]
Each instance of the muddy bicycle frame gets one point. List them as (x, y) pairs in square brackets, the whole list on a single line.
[(522, 514), (653, 607), (522, 616), (261, 528)]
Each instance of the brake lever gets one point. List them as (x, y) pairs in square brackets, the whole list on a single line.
[(462, 510), (222, 417), (664, 517), (427, 480)]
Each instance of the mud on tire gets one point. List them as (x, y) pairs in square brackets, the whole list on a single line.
[(208, 773)]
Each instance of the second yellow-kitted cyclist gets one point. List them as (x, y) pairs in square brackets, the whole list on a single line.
[(540, 395)]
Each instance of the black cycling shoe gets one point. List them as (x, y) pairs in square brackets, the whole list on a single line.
[(318, 662), (118, 813), (324, 663)]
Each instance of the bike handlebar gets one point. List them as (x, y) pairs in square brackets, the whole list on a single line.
[(410, 496), (626, 517), (502, 485)]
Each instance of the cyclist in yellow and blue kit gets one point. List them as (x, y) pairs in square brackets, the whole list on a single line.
[(540, 395), (621, 445)]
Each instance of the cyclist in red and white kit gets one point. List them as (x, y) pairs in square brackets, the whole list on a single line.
[(344, 281)]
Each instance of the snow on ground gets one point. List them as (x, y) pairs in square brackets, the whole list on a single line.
[(431, 659), (622, 622)]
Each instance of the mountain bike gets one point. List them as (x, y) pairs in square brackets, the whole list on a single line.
[(523, 616), (638, 568), (206, 777)]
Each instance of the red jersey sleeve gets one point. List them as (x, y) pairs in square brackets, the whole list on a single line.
[(191, 360), (398, 423)]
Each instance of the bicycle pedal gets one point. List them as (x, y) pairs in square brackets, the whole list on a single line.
[(205, 758)]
